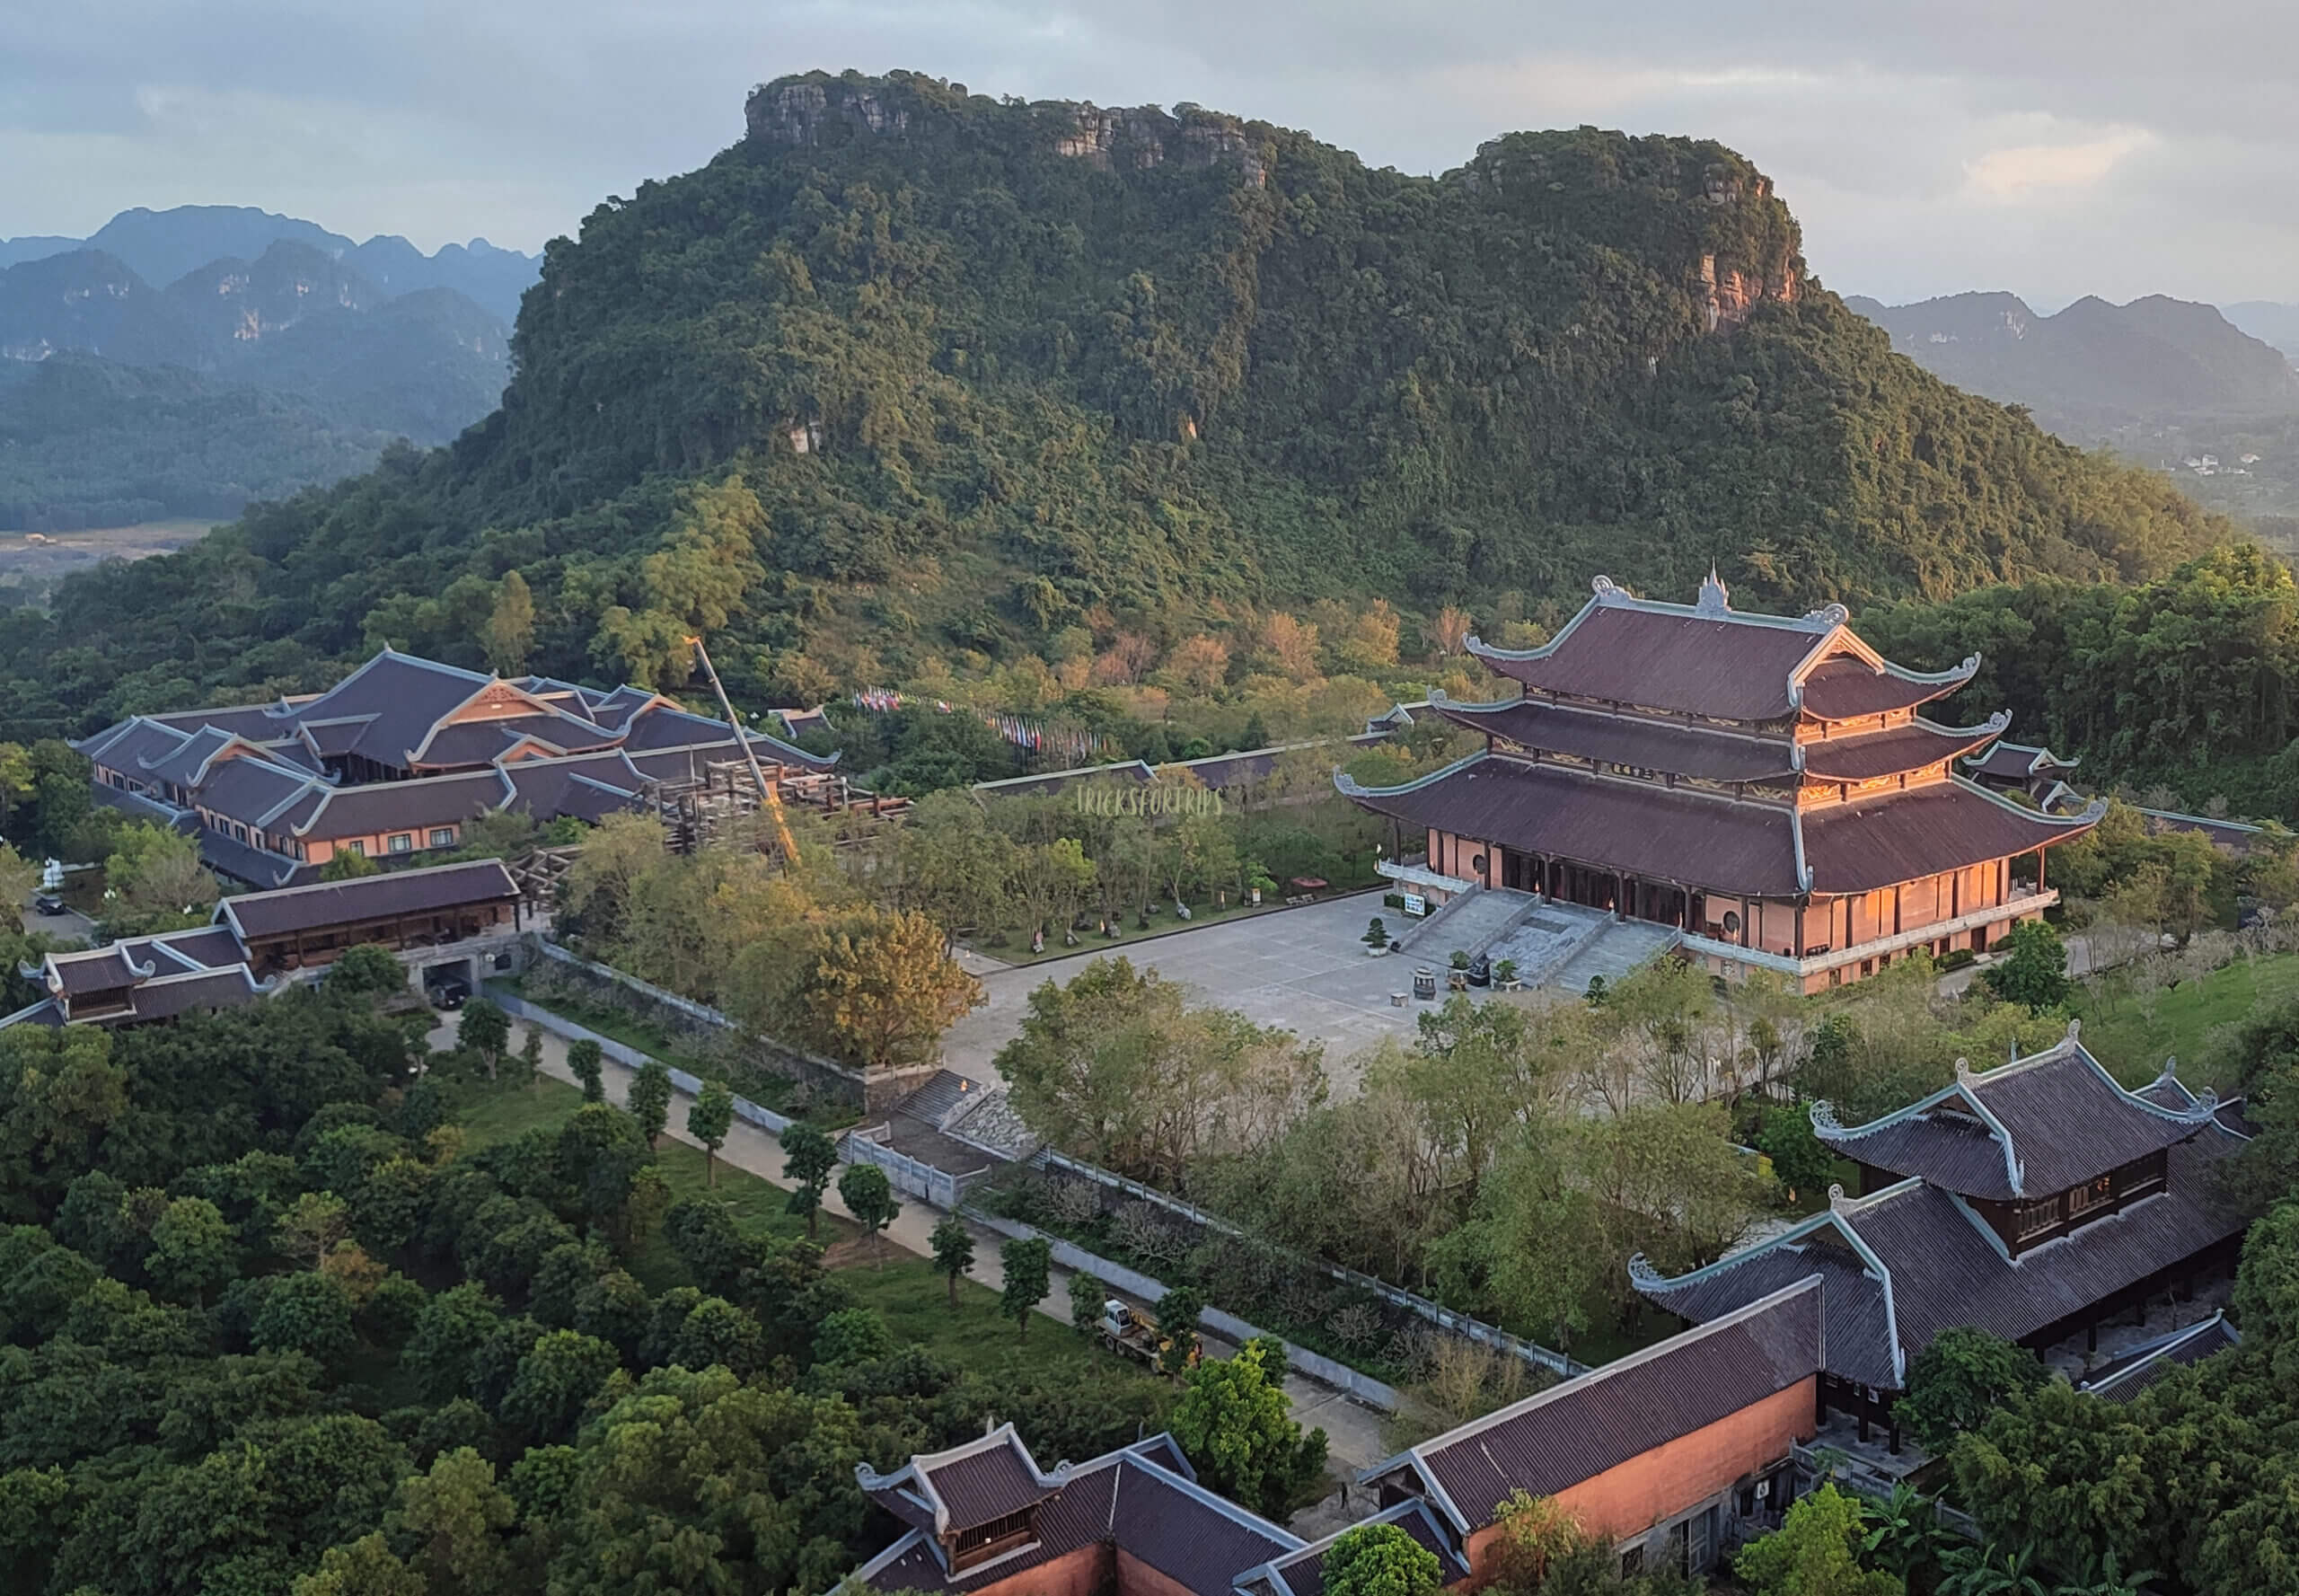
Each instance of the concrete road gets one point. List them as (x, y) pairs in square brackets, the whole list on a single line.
[(71, 926), (1352, 1431), (1303, 969)]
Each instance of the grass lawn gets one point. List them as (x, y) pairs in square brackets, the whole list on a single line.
[(2133, 1043), (753, 1203), (914, 1300)]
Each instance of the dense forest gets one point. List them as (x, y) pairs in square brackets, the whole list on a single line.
[(910, 376)]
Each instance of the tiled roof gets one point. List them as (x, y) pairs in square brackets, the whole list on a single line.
[(1931, 1264), (182, 765), (1846, 687), (2122, 1378), (131, 745), (1126, 1498), (1722, 665), (1703, 755), (2032, 1128), (1867, 755), (1577, 1430), (985, 1483), (258, 867), (375, 808), (663, 727), (200, 992), (1616, 823), (368, 897), (1869, 843), (2015, 762), (103, 969), (397, 697)]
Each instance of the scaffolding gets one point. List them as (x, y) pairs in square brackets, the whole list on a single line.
[(718, 805)]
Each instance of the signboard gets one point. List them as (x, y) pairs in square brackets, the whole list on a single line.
[(1414, 904)]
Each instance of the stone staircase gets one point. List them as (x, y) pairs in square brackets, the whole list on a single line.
[(1471, 923), (1620, 946), (1549, 938)]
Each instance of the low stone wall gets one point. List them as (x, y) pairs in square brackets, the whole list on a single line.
[(941, 1187), (1133, 1284), (872, 1094)]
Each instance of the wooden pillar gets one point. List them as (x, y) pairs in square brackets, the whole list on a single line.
[(1798, 951), (2039, 869), (1899, 897)]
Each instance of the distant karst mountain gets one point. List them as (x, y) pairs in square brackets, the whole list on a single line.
[(2092, 362), (2269, 322), (161, 246), (339, 362)]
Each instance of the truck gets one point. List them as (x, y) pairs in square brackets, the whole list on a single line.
[(1129, 1331)]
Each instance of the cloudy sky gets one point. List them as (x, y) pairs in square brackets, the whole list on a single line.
[(2054, 148)]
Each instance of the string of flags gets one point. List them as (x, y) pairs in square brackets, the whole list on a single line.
[(1070, 743)]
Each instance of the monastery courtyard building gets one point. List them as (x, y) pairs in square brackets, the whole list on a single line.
[(1762, 784)]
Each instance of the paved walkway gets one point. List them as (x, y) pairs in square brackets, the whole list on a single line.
[(1353, 1432), (1303, 969)]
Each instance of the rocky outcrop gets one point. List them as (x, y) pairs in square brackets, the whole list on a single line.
[(797, 113), (805, 112), (1733, 292)]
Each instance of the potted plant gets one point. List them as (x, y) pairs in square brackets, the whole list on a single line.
[(1460, 959), (1504, 974), (1459, 980), (1376, 936)]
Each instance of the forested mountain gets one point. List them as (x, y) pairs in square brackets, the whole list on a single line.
[(161, 246), (908, 376), (2092, 362)]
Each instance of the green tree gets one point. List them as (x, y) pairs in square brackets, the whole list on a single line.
[(1086, 1295), (459, 1516), (2034, 968), (531, 1055), (1380, 1560), (307, 1313), (1957, 1381), (311, 1226), (1178, 1315), (869, 1197), (193, 1249), (708, 1120), (953, 1244), (157, 881), (648, 1101), (809, 1157), (1028, 1268), (1800, 1162), (555, 1380), (348, 864), (510, 631), (486, 1030), (368, 970), (585, 1060), (1815, 1552), (1237, 1426), (365, 1567)]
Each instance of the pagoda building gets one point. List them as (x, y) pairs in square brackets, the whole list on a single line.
[(2034, 1200), (1761, 783)]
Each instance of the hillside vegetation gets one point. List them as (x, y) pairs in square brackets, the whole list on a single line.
[(910, 380)]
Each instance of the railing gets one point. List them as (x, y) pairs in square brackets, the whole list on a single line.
[(1854, 1476), (1899, 941), (944, 1188)]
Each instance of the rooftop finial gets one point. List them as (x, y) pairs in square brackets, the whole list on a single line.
[(1838, 1202), (1714, 598), (1963, 1069)]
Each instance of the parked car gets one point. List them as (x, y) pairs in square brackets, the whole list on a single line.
[(48, 902), (448, 991)]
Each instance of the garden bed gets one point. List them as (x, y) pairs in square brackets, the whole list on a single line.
[(710, 1055), (1280, 1291)]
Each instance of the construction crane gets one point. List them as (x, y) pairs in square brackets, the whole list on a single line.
[(766, 793)]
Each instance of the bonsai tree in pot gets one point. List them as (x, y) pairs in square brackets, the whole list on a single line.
[(1504, 974), (1376, 937), (1460, 960)]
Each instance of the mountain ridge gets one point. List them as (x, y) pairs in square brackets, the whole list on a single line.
[(909, 381), (162, 245)]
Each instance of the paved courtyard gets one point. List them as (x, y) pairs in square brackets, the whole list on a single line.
[(1302, 968)]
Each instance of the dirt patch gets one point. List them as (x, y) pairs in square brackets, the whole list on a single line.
[(857, 1252)]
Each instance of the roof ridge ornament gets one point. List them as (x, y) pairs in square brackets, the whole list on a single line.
[(1715, 598), (1827, 617), (2076, 1031), (1838, 1202), (1963, 1069), (1607, 591)]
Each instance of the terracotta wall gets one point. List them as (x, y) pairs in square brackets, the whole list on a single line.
[(1080, 1573), (1137, 1578), (1679, 1474), (318, 851)]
